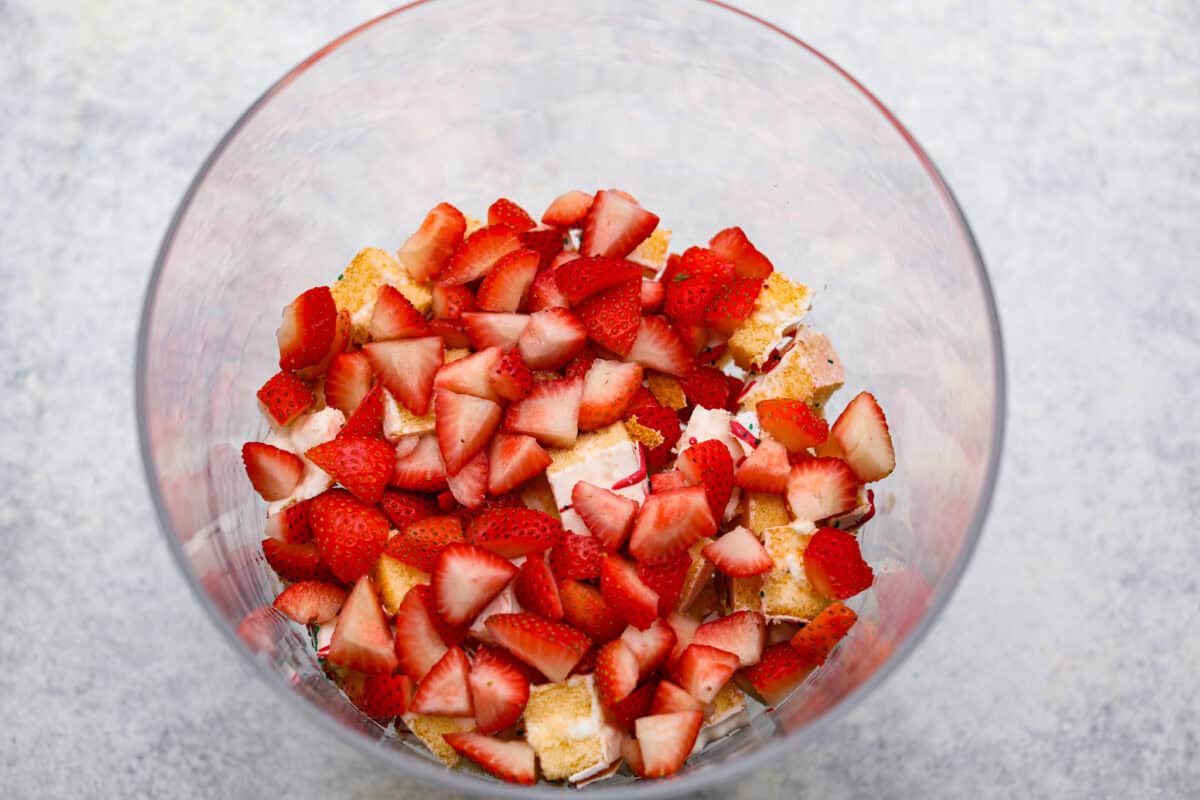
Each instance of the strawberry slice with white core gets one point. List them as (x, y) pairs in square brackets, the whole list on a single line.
[(505, 287), (651, 646), (625, 593), (862, 433), (615, 226), (739, 554), (536, 589), (310, 602), (551, 339), (669, 698), (499, 691), (550, 413), (766, 469), (464, 424), (471, 374), (666, 741), (657, 346), (551, 647), (406, 368), (418, 645), (608, 515), (469, 484), (608, 389), (651, 296), (568, 210), (709, 464), (669, 523), (347, 381), (494, 329), (616, 672), (743, 633), (394, 317), (478, 253), (514, 458), (444, 691), (449, 302), (820, 488), (703, 670), (273, 472), (419, 464), (511, 761), (427, 251), (465, 579), (512, 379), (362, 639), (684, 628), (307, 332)]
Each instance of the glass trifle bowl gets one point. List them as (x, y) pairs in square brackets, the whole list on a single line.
[(710, 118)]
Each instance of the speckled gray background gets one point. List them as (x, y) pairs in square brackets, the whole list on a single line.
[(1067, 663)]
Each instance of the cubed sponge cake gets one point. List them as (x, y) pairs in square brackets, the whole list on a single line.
[(430, 731), (652, 253), (810, 371), (786, 593), (780, 306), (394, 579), (355, 289), (565, 726)]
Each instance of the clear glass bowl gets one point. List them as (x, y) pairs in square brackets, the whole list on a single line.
[(711, 118)]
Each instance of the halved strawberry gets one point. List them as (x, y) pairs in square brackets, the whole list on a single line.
[(666, 741), (385, 696), (608, 390), (703, 670), (552, 338), (625, 713), (667, 480), (499, 691), (669, 698), (536, 589), (550, 413), (669, 523), (514, 458), (310, 602), (732, 305), (743, 633), (551, 647), (451, 332), (506, 212), (511, 378), (625, 593), (469, 485), (584, 608), (367, 419), (861, 431), (577, 557), (349, 533), (406, 368), (362, 465), (420, 467), (296, 562), (394, 317), (739, 554), (709, 464), (273, 472), (766, 469), (547, 242), (657, 346), (478, 253), (285, 397), (506, 285), (615, 226), (748, 262), (421, 541), (781, 669), (341, 338), (693, 335), (307, 332), (690, 289), (834, 565), (706, 387), (494, 329), (544, 293), (792, 423), (608, 515), (471, 374), (816, 639), (291, 524), (651, 296), (464, 424), (667, 579), (362, 639), (466, 578), (511, 761), (583, 277), (427, 251), (685, 628), (444, 691), (820, 488), (651, 646), (450, 302), (612, 317), (513, 532), (616, 672), (418, 645), (568, 210), (347, 381)]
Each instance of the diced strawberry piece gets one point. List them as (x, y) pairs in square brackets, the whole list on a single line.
[(513, 459), (506, 212), (669, 523), (421, 540), (568, 210), (444, 691), (513, 532), (291, 524), (625, 593), (478, 253), (739, 554), (341, 338), (834, 565), (709, 464), (578, 366), (743, 633), (748, 262), (464, 424), (349, 533), (670, 698), (625, 713), (581, 278), (451, 332), (693, 335), (499, 691), (667, 480), (666, 741), (685, 628), (703, 670), (616, 672), (792, 423), (450, 302), (471, 374), (690, 290), (551, 339), (511, 761), (385, 696), (781, 669), (544, 293), (820, 488), (706, 387), (310, 602), (766, 469), (536, 589), (663, 420), (667, 579), (494, 329), (577, 557), (420, 468), (608, 515), (585, 609), (362, 465), (608, 390), (732, 305), (505, 287), (273, 472), (469, 485), (418, 645), (657, 346), (631, 753), (296, 562), (367, 419), (466, 578), (307, 332), (546, 242), (816, 639), (347, 381), (550, 413), (427, 252), (615, 226), (285, 397), (394, 317), (552, 647), (651, 646), (861, 432), (651, 296), (406, 368), (511, 378), (362, 639), (612, 317)]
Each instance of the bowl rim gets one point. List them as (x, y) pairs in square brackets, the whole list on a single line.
[(432, 773)]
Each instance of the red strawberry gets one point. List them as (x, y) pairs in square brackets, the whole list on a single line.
[(732, 305), (546, 242), (625, 713), (792, 423), (513, 532), (544, 293), (834, 565), (709, 464), (450, 302), (478, 253), (854, 518), (862, 433), (406, 368), (766, 469), (341, 338), (703, 670), (625, 593), (551, 647), (706, 387), (505, 287), (743, 633), (471, 375), (608, 515), (550, 413), (499, 691), (616, 672), (553, 337), (816, 639), (494, 329), (418, 645), (666, 423), (464, 425), (576, 557), (506, 212), (466, 578), (669, 523), (747, 261), (511, 761), (385, 696), (394, 317), (581, 278), (690, 289), (404, 508), (285, 397), (615, 226), (739, 554), (611, 317), (427, 251), (367, 419), (362, 639), (349, 533), (608, 390), (666, 741), (444, 691), (820, 488), (658, 347), (511, 377), (651, 646), (536, 589), (420, 468), (307, 332), (274, 473), (781, 669), (584, 608), (296, 562), (667, 480), (693, 335), (578, 366), (347, 381), (651, 296), (685, 628), (291, 524), (469, 485), (669, 698), (420, 542), (451, 332), (310, 602), (362, 465), (667, 579), (512, 460), (568, 210), (631, 752)]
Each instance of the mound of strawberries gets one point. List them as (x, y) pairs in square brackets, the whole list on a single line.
[(561, 340)]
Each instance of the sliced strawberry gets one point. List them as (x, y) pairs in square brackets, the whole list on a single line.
[(608, 515), (273, 472), (307, 332), (612, 317), (781, 669), (513, 459), (418, 645), (444, 691), (693, 335), (421, 541), (550, 413), (685, 628), (506, 212), (861, 432), (703, 670), (834, 565), (450, 302), (406, 368), (451, 332), (792, 423), (706, 387), (743, 633), (748, 262), (385, 696), (666, 741), (553, 337), (536, 589), (544, 293), (581, 278), (511, 378), (285, 397), (690, 289), (651, 646), (739, 554), (585, 609), (651, 296), (816, 639), (670, 698), (616, 672), (362, 465), (658, 347), (578, 366), (505, 287), (766, 469), (427, 251), (464, 425), (551, 647), (513, 532), (666, 423), (471, 374), (608, 390), (291, 524), (341, 338), (709, 464), (494, 329), (310, 602), (469, 485), (499, 691), (576, 557), (669, 523), (820, 488), (615, 226), (362, 639), (466, 578), (349, 533), (625, 593), (568, 210), (367, 419), (296, 562), (667, 480), (511, 761), (478, 253), (394, 317), (732, 305), (420, 468), (547, 242), (631, 753), (667, 579), (347, 381), (637, 704)]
